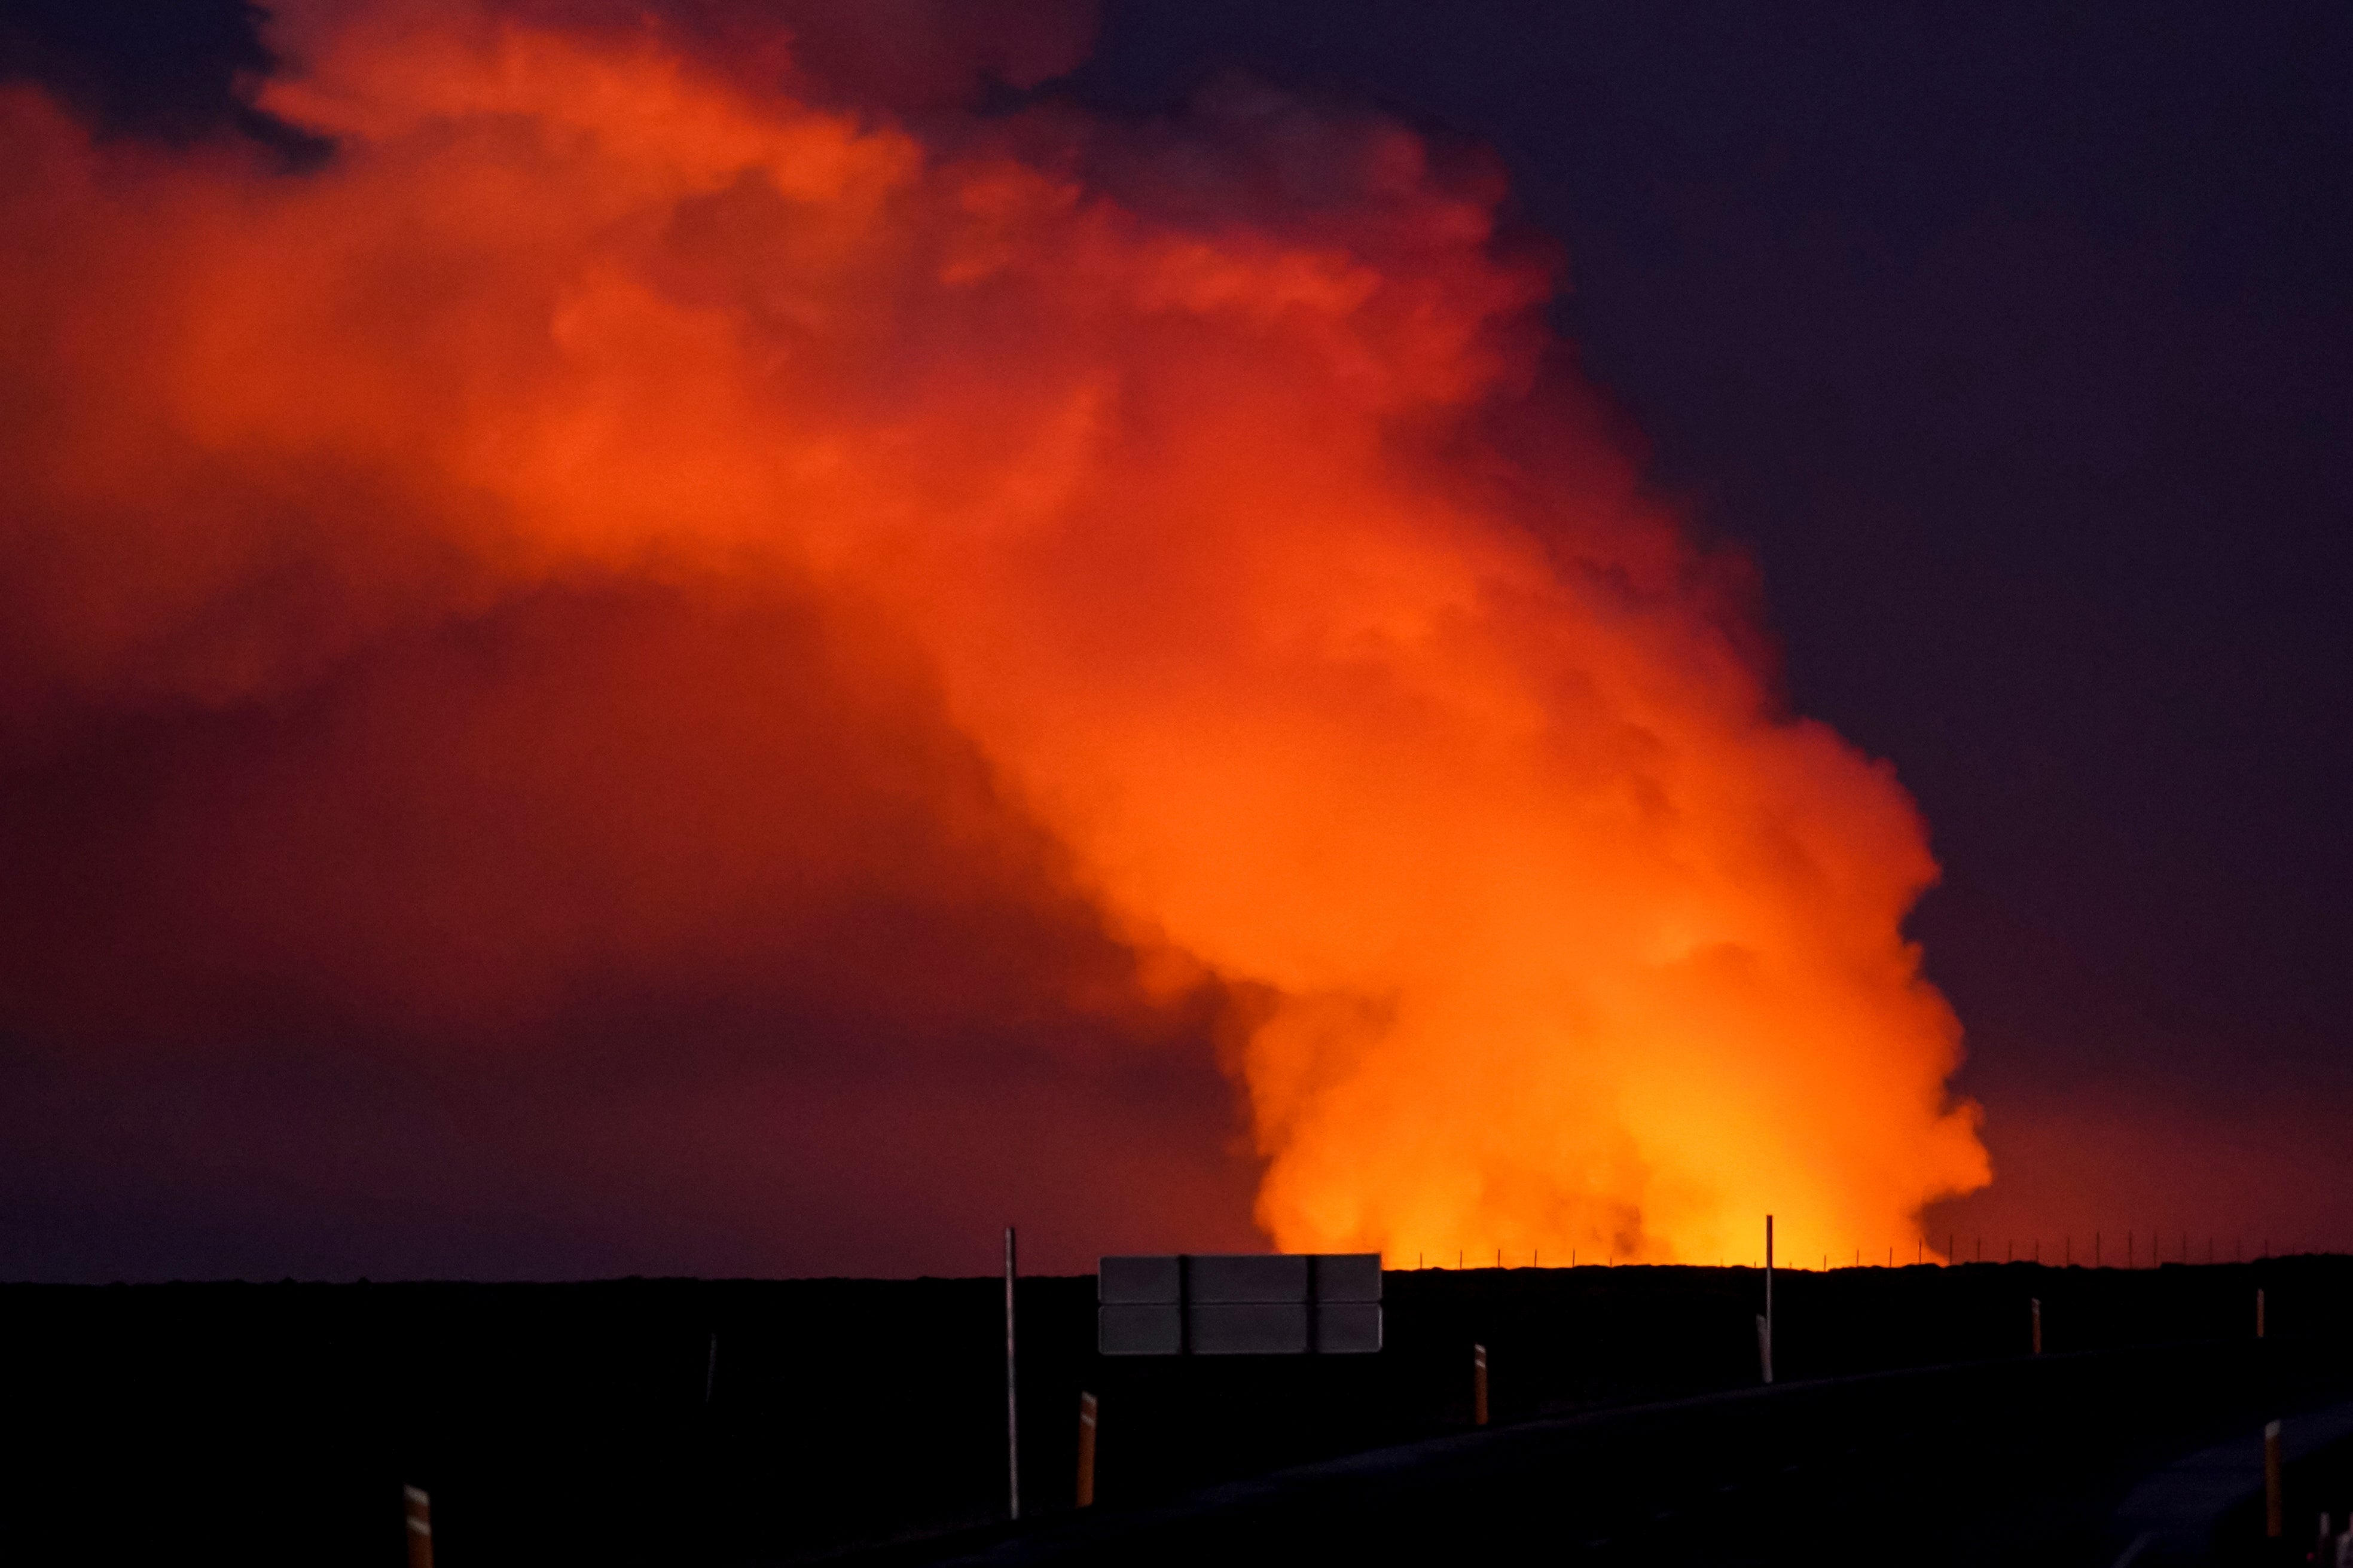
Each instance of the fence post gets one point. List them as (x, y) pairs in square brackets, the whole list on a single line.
[(1086, 1450), (1478, 1385), (420, 1508)]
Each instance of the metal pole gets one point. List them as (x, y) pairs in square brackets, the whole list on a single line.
[(1012, 1391)]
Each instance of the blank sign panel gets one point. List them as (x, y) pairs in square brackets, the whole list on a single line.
[(1139, 1329), (1239, 1304), (1247, 1277)]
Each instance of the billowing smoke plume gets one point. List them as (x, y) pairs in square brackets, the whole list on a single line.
[(671, 526)]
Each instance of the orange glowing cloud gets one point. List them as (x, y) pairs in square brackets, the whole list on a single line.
[(1280, 593)]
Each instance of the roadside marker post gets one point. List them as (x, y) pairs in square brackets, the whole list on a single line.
[(2274, 1523), (1765, 1324), (1478, 1385), (2259, 1312), (1087, 1450), (420, 1508), (2034, 1305)]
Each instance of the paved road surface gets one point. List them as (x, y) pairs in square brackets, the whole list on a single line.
[(2020, 1462)]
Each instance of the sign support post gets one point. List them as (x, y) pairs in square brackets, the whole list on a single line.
[(1012, 1393)]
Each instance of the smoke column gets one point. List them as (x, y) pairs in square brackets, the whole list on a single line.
[(1191, 526)]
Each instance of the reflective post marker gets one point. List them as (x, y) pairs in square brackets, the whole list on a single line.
[(1086, 1450), (2274, 1523), (420, 1508), (1012, 1393), (2034, 1305), (2259, 1312), (1478, 1385)]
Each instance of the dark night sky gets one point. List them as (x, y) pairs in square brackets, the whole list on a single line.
[(2016, 341)]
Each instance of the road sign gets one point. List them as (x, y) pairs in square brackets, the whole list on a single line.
[(1325, 1303)]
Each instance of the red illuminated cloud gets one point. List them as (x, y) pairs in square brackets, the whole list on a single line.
[(625, 552)]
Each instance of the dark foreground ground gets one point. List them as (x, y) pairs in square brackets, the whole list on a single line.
[(589, 1424), (2025, 1461)]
